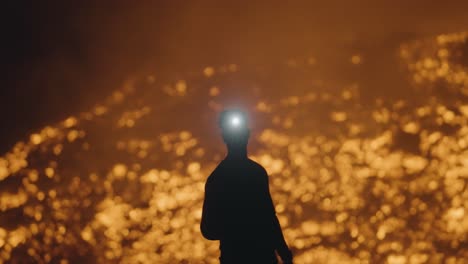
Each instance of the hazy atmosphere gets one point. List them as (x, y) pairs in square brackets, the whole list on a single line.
[(358, 111)]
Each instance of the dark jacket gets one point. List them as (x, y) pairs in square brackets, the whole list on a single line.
[(238, 211)]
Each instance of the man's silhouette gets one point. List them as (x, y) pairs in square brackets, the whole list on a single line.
[(238, 209)]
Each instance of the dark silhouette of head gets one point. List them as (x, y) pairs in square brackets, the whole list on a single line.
[(235, 130)]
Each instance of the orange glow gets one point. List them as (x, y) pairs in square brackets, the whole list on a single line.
[(356, 59), (353, 182)]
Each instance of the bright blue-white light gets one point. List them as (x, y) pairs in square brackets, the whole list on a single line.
[(236, 121)]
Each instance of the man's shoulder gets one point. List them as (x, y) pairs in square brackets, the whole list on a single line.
[(218, 171), (215, 171), (257, 166), (226, 166)]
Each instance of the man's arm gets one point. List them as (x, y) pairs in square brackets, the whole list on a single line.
[(208, 226), (280, 243)]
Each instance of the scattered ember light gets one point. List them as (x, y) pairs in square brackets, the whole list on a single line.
[(356, 59), (352, 182)]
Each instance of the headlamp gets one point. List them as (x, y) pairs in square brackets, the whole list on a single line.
[(233, 120)]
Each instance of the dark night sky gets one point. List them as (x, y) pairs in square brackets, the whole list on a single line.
[(62, 56)]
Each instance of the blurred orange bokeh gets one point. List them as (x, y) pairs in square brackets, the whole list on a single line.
[(354, 180)]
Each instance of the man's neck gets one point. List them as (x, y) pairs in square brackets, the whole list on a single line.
[(237, 153)]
